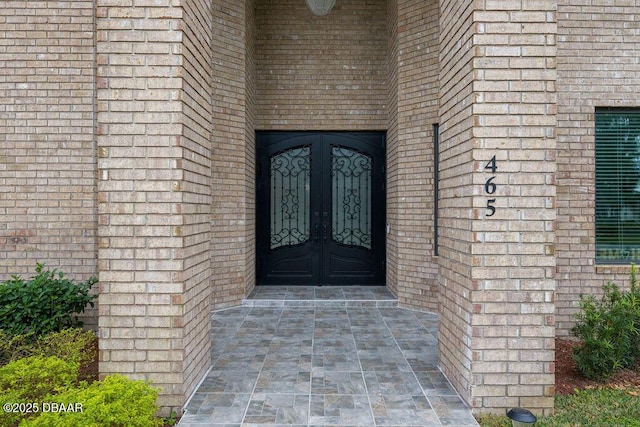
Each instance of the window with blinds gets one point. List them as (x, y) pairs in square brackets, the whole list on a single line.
[(617, 185)]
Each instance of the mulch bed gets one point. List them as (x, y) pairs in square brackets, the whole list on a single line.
[(569, 379)]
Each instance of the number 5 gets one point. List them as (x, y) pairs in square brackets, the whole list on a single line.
[(490, 207)]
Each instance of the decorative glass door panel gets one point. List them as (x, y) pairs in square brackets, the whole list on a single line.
[(320, 208), (290, 197), (351, 195)]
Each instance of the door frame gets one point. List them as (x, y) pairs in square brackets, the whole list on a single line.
[(280, 140)]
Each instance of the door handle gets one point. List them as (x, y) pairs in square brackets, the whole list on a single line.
[(316, 231), (325, 230)]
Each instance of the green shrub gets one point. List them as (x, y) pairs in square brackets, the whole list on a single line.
[(609, 330), (47, 302), (14, 347), (633, 299), (13, 417), (32, 380), (71, 345), (35, 377), (114, 402)]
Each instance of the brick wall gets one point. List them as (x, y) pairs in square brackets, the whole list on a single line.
[(47, 153), (498, 98), (232, 256), (598, 66), (455, 211), (197, 118), (321, 72), (514, 274), (250, 142), (417, 111), (153, 191), (392, 145)]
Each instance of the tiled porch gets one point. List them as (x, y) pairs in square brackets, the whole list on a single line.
[(324, 356)]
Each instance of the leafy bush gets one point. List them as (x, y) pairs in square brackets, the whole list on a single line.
[(45, 303), (14, 347), (609, 330), (31, 380), (71, 345), (35, 377), (115, 402)]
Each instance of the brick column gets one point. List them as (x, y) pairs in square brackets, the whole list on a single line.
[(154, 180), (498, 98), (233, 253), (411, 161)]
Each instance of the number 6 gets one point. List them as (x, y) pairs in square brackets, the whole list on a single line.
[(489, 186)]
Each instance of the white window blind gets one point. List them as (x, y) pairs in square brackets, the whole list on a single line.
[(617, 185)]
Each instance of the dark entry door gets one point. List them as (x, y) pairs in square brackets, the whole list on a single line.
[(320, 208)]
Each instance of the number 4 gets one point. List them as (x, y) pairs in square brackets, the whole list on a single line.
[(492, 164)]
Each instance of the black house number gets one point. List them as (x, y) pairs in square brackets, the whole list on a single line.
[(490, 186)]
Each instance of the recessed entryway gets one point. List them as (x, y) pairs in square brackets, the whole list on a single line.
[(320, 208)]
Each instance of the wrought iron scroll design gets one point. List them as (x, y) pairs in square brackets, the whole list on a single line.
[(290, 197), (351, 197)]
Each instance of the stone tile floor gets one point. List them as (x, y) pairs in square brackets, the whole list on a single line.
[(324, 356)]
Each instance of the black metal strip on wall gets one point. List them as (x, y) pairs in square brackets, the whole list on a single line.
[(436, 182)]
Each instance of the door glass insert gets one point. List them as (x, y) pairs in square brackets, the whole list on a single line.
[(351, 195), (290, 197)]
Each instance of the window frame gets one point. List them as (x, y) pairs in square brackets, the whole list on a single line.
[(617, 191)]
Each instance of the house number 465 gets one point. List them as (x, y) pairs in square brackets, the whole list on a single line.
[(490, 187)]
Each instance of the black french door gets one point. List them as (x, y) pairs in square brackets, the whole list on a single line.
[(320, 208)]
